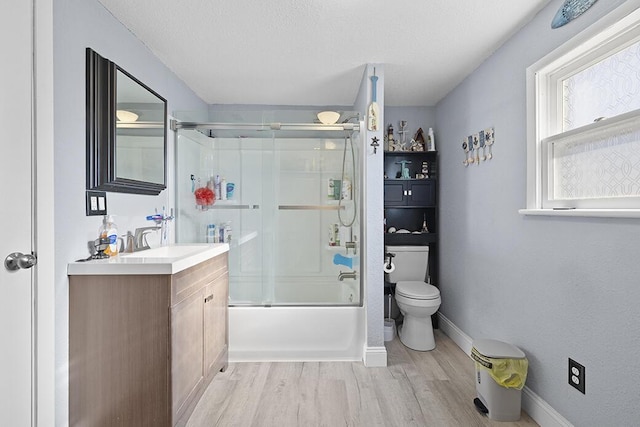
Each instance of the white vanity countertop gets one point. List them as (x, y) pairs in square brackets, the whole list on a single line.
[(163, 260)]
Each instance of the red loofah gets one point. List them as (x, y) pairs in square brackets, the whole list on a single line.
[(205, 196)]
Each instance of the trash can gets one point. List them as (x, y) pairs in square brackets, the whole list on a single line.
[(501, 371)]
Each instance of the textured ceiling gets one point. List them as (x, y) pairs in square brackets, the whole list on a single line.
[(313, 52)]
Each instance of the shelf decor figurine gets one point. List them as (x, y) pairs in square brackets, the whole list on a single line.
[(402, 131), (420, 141), (390, 144), (405, 170)]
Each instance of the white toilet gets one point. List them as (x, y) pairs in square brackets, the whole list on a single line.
[(416, 299)]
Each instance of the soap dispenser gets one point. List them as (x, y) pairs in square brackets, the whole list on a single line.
[(109, 230)]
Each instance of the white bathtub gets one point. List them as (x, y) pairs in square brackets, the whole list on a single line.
[(296, 334)]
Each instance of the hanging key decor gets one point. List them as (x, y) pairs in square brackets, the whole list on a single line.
[(476, 147), (472, 152), (465, 148), (489, 137), (473, 144)]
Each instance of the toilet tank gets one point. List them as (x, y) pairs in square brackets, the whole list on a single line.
[(412, 263)]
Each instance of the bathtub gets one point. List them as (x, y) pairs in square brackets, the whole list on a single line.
[(296, 333)]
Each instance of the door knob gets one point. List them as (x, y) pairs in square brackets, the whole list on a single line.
[(18, 260)]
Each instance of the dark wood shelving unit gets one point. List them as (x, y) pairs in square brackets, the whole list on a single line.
[(408, 202)]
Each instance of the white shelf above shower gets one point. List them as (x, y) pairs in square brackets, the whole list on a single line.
[(336, 248)]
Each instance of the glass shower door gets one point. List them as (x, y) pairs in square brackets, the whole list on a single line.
[(238, 220), (309, 234), (287, 246)]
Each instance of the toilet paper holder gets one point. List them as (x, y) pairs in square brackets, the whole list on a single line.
[(390, 257), (388, 265)]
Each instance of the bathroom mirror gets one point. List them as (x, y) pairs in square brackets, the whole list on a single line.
[(126, 131)]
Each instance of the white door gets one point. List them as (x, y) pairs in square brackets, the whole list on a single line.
[(15, 212)]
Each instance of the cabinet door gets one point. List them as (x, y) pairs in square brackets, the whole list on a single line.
[(215, 323), (422, 193), (394, 193), (187, 349)]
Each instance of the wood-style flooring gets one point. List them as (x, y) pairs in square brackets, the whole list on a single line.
[(434, 388)]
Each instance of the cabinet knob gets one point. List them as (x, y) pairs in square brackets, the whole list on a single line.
[(209, 298)]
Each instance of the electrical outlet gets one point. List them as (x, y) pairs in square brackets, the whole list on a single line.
[(576, 375)]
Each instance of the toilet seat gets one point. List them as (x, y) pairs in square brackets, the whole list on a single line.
[(417, 290)]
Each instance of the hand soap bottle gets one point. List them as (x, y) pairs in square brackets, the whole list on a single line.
[(109, 230)]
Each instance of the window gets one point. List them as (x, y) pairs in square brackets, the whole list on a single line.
[(584, 119)]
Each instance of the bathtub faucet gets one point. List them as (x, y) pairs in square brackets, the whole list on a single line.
[(347, 275), (350, 245)]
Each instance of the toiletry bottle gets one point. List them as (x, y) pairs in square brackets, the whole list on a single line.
[(227, 232), (110, 231), (230, 187), (223, 189), (211, 231), (346, 189), (217, 185), (337, 189)]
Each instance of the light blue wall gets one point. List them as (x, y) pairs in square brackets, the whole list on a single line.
[(79, 24), (555, 287)]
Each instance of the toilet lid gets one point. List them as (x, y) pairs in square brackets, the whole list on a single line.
[(417, 290)]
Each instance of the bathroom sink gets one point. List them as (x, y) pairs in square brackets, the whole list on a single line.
[(163, 260), (176, 251)]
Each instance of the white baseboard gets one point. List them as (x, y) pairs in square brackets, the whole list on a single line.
[(461, 339), (541, 411), (374, 357), (534, 405)]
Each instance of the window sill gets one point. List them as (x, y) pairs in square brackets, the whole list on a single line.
[(598, 213)]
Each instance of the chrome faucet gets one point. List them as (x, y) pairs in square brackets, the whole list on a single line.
[(126, 243), (347, 275), (140, 240)]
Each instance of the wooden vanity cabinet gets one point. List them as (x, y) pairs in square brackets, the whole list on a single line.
[(215, 313), (143, 348), (199, 331)]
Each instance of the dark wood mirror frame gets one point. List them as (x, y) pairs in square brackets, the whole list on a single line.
[(101, 130)]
